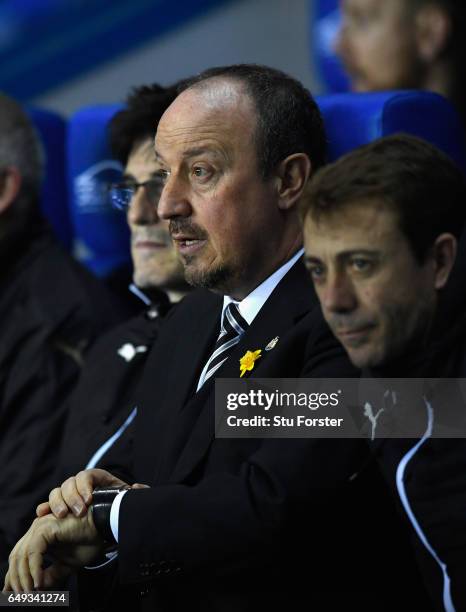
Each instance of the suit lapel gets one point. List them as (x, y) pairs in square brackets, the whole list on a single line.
[(292, 299), (180, 355), (194, 348)]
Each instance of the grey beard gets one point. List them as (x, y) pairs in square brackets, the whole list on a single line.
[(216, 279)]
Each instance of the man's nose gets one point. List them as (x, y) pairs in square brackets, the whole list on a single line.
[(142, 211), (174, 199), (338, 295)]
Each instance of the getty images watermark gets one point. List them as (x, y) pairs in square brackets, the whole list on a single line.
[(340, 408)]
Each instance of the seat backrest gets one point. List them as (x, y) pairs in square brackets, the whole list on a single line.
[(354, 119), (325, 22), (54, 199), (101, 233)]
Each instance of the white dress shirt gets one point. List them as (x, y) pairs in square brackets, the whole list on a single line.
[(249, 307)]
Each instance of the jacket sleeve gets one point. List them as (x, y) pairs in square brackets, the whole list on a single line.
[(34, 391), (228, 520)]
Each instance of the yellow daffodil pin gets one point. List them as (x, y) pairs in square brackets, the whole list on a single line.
[(248, 360)]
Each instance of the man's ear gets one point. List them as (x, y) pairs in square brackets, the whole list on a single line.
[(292, 175), (10, 183), (433, 27), (444, 255)]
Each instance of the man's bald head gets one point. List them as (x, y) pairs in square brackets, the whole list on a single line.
[(211, 96), (288, 119), (212, 106)]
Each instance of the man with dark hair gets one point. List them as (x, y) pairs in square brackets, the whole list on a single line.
[(405, 44), (138, 119), (226, 524), (50, 311), (399, 185), (381, 230), (131, 133), (102, 406)]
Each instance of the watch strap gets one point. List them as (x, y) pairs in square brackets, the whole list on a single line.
[(102, 500)]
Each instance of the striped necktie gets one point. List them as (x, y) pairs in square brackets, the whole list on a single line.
[(233, 327)]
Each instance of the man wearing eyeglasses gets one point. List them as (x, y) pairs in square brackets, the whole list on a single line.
[(102, 407), (156, 265)]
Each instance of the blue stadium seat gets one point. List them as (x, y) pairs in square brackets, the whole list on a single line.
[(325, 21), (101, 233), (354, 119), (54, 201)]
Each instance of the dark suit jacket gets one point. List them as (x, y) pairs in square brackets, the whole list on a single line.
[(103, 398), (246, 524)]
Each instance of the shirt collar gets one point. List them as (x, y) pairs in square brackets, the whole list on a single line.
[(250, 306)]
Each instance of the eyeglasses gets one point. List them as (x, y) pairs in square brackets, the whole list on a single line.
[(121, 194)]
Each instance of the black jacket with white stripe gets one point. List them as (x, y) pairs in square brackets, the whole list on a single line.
[(428, 474)]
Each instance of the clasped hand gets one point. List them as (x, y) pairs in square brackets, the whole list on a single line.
[(64, 530)]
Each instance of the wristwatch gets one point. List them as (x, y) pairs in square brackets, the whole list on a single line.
[(102, 500)]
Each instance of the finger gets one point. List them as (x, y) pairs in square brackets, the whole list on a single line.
[(24, 575), (88, 480), (13, 559), (43, 509), (72, 498), (31, 543), (57, 503), (13, 575), (35, 568), (138, 485), (7, 585)]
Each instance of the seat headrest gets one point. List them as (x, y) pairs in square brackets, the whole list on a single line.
[(101, 233), (353, 119)]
